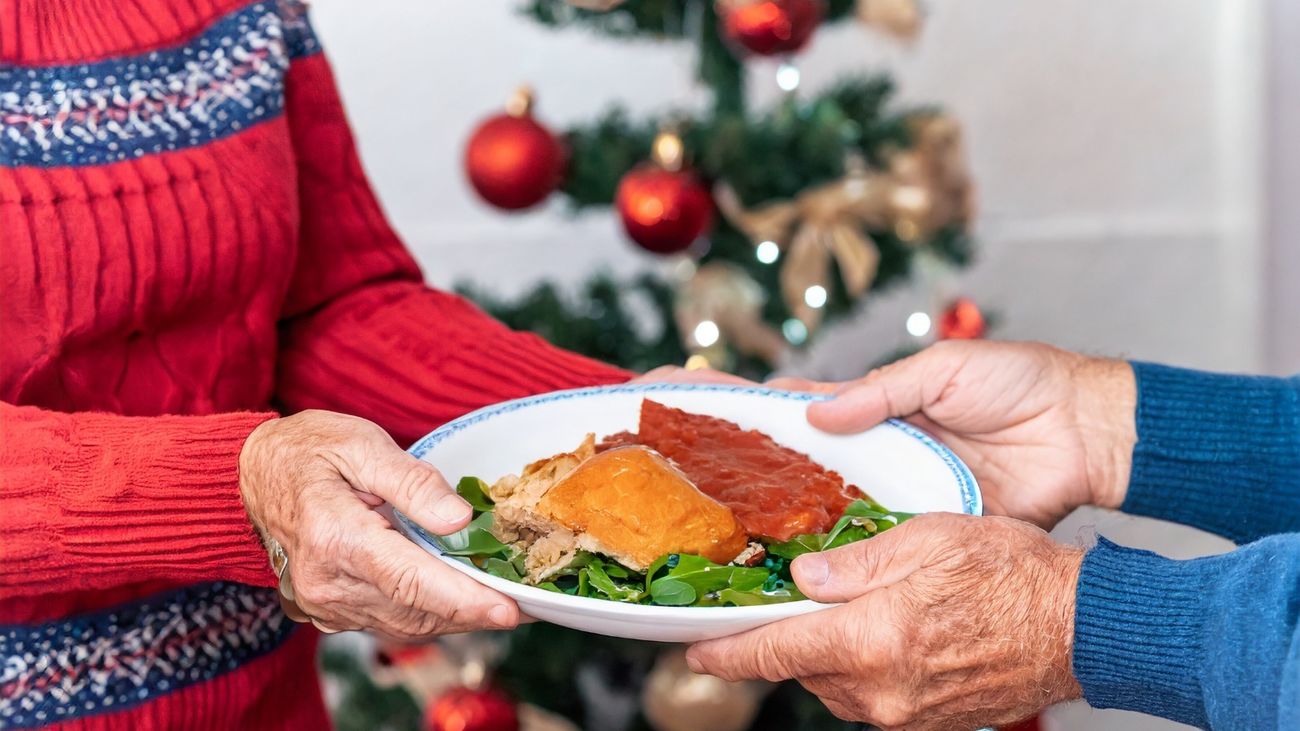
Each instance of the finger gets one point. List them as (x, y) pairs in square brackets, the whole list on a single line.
[(899, 389), (377, 465), (793, 383), (848, 572), (428, 597), (793, 648)]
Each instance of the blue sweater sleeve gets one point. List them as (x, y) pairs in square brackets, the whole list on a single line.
[(1218, 452), (1212, 642)]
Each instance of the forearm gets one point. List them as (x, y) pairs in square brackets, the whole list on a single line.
[(1218, 452), (410, 358), (93, 501), (1211, 642)]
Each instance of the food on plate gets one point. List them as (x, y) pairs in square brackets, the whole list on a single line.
[(690, 510), (630, 504), (776, 492)]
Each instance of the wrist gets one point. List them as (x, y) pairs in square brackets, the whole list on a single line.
[(250, 460), (1059, 678), (1106, 407)]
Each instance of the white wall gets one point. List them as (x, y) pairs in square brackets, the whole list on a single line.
[(1120, 149), (1116, 145)]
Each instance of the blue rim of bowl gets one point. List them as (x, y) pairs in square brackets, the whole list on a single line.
[(972, 499)]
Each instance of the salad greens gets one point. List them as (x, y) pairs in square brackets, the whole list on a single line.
[(674, 580)]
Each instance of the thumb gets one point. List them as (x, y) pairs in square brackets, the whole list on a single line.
[(848, 572), (410, 485), (902, 388)]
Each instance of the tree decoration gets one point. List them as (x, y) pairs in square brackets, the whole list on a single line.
[(511, 160), (676, 699), (901, 19), (719, 308), (770, 27), (464, 709), (961, 320), (664, 206)]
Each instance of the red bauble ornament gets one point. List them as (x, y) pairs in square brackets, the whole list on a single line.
[(462, 709), (512, 161), (961, 320), (770, 27), (664, 207)]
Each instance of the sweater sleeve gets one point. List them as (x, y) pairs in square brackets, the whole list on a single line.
[(1218, 452), (1212, 642), (362, 333), (161, 492)]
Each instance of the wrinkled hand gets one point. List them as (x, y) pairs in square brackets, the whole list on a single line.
[(951, 622), (313, 481), (1044, 430)]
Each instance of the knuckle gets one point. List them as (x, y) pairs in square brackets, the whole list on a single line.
[(406, 587), (418, 487)]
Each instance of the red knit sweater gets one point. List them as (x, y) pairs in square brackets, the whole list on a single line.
[(187, 245)]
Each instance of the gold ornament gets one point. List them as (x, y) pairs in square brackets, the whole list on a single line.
[(533, 718), (920, 191), (675, 699), (898, 18), (933, 188), (724, 295)]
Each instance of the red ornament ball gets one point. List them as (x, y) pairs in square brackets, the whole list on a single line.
[(462, 709), (770, 27), (961, 320), (513, 162), (663, 211)]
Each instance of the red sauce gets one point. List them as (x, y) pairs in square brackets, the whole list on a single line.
[(775, 492)]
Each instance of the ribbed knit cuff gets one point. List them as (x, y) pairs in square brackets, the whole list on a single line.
[(100, 500), (1219, 452), (1137, 632)]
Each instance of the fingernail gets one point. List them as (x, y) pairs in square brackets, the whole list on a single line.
[(452, 509), (694, 664), (499, 615), (811, 569)]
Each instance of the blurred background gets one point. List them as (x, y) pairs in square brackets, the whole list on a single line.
[(1127, 184)]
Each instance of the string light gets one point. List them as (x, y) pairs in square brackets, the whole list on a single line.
[(707, 333), (696, 362), (918, 324), (815, 296), (767, 252), (787, 77), (795, 331)]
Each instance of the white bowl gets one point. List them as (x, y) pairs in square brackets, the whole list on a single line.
[(900, 466)]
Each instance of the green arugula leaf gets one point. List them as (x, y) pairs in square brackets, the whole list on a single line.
[(797, 546), (736, 597), (671, 593), (600, 581), (474, 540), (654, 569), (474, 491), (704, 576), (503, 569)]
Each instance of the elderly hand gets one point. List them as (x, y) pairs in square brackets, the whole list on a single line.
[(313, 481), (950, 622), (1044, 430)]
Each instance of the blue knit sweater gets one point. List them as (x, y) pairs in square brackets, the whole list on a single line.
[(1213, 642)]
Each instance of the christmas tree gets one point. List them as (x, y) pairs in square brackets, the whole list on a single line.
[(780, 220)]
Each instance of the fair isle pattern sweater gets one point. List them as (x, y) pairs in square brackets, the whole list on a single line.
[(187, 244)]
